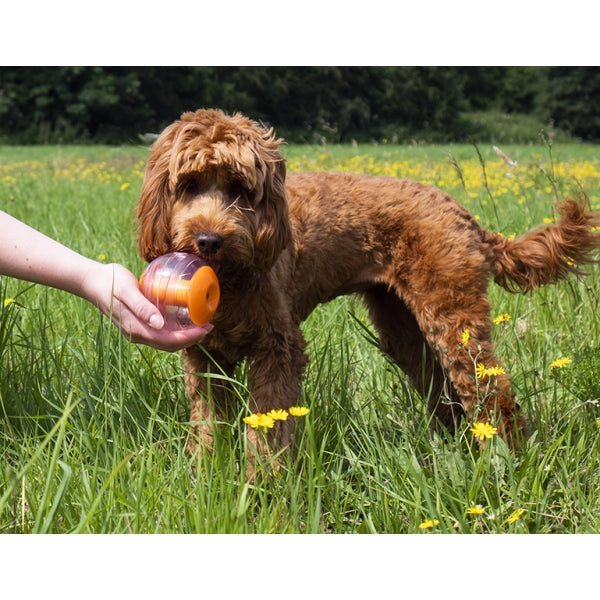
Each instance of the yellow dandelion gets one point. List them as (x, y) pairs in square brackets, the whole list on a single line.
[(252, 420), (483, 431), (482, 371), (560, 363), (125, 186), (299, 411), (466, 336), (515, 516), (102, 257), (494, 371), (278, 415), (9, 301), (429, 524), (475, 510), (503, 318), (598, 422), (260, 420)]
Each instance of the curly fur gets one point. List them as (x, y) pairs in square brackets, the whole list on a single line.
[(215, 185)]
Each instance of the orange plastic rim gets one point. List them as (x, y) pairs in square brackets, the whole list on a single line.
[(204, 297)]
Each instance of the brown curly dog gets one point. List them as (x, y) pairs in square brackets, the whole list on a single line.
[(215, 185)]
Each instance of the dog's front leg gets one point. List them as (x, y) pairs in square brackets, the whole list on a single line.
[(210, 394), (275, 376)]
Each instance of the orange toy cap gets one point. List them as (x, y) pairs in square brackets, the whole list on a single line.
[(203, 295)]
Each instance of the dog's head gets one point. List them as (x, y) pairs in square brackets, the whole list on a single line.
[(215, 186)]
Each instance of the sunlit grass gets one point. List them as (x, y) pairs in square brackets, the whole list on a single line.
[(93, 430)]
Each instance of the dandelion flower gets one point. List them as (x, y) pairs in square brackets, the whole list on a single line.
[(475, 510), (494, 371), (299, 411), (482, 371), (466, 336), (102, 257), (252, 420), (483, 431), (515, 516), (278, 415), (260, 420), (560, 363), (503, 318), (429, 524), (124, 186), (598, 422), (8, 301)]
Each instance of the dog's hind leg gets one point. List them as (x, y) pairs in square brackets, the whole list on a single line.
[(457, 326), (401, 339)]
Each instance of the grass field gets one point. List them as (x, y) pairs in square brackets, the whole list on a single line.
[(93, 429)]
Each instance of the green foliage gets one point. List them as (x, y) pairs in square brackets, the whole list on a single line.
[(306, 104), (341, 103), (506, 89), (508, 128), (569, 96), (335, 103), (67, 104), (583, 382)]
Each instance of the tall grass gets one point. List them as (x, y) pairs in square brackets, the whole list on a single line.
[(93, 429)]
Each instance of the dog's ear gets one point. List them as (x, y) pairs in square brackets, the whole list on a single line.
[(154, 206), (273, 229)]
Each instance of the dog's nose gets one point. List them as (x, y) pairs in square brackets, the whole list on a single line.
[(209, 243)]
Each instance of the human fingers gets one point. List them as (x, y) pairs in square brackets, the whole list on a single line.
[(127, 292), (167, 340)]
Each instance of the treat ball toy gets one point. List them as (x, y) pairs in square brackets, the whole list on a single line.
[(183, 287)]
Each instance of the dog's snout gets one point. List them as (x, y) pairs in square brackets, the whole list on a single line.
[(209, 243)]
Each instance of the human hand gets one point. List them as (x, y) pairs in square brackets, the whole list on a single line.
[(115, 291)]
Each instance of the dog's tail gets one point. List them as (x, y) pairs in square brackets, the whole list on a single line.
[(547, 255)]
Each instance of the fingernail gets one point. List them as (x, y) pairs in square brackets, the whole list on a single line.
[(156, 321)]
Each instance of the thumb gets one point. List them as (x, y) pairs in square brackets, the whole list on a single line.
[(128, 292), (156, 321), (148, 313)]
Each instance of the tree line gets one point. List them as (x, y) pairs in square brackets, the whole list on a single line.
[(305, 104)]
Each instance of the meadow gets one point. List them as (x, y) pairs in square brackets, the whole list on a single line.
[(93, 429)]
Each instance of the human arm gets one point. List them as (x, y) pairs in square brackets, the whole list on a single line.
[(27, 254)]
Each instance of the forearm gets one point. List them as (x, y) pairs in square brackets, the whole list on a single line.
[(30, 255)]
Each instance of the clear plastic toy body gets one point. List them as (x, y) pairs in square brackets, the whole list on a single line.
[(183, 287)]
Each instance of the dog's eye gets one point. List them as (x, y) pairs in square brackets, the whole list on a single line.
[(190, 187), (236, 190)]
